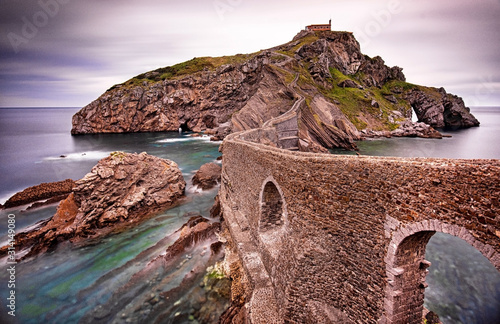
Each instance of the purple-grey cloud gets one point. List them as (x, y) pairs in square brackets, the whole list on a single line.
[(84, 47)]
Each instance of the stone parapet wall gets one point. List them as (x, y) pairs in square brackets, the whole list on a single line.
[(352, 227)]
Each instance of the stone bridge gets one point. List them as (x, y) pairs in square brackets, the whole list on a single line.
[(325, 239)]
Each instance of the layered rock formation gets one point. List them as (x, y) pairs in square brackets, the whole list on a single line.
[(52, 191), (324, 123), (345, 95), (120, 191), (159, 300)]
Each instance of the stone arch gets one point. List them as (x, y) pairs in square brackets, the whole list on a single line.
[(273, 210), (406, 267), (273, 218)]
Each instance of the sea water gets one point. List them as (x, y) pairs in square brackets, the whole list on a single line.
[(60, 287)]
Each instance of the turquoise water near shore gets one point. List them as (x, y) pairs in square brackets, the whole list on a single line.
[(60, 287)]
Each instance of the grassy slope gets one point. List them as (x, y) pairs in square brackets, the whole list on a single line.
[(180, 70)]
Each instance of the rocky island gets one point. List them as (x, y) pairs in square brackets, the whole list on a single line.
[(347, 96)]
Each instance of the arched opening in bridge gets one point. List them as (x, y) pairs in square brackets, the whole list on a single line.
[(406, 279), (271, 208), (407, 269), (464, 286)]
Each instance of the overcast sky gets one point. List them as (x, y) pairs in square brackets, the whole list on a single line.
[(61, 53)]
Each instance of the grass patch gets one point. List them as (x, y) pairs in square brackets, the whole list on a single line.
[(118, 155), (287, 75), (352, 103), (395, 86), (192, 66), (215, 272), (276, 59), (339, 76), (355, 102), (431, 92), (305, 79)]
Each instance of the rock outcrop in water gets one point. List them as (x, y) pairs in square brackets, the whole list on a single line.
[(208, 176), (345, 95), (120, 191), (441, 109), (413, 129), (52, 191)]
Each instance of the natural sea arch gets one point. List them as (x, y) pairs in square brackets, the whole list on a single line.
[(407, 268)]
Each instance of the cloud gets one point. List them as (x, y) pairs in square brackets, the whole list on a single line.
[(87, 46)]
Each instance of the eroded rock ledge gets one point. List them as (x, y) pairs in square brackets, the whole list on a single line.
[(53, 191), (120, 191), (159, 301)]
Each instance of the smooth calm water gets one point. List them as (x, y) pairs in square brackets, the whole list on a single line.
[(61, 287), (473, 143)]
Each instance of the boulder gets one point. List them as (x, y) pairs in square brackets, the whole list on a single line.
[(415, 129), (348, 83), (120, 191), (208, 176)]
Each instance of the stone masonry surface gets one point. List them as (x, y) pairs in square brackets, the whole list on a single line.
[(352, 229)]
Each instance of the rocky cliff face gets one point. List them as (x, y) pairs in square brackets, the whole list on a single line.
[(347, 94), (194, 101), (120, 191)]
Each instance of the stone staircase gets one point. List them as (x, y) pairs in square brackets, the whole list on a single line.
[(288, 134), (286, 125)]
